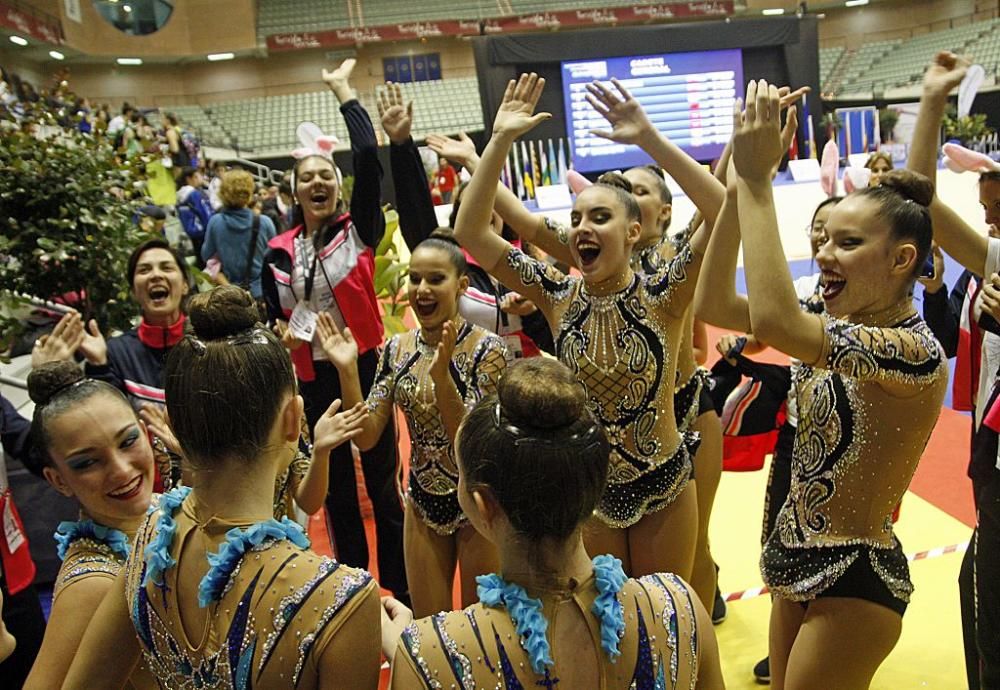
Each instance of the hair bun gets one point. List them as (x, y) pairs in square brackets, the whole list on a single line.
[(45, 382), (910, 185), (541, 393), (445, 234), (222, 312), (615, 179)]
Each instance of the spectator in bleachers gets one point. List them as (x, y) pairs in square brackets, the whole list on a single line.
[(193, 208), (880, 162), (120, 122), (175, 144), (218, 169), (237, 235), (445, 180)]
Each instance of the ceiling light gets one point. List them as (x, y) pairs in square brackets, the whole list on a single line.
[(773, 11), (129, 61), (855, 3), (127, 8), (56, 55), (18, 40), (216, 57)]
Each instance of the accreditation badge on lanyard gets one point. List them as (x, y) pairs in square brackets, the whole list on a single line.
[(514, 349), (302, 323)]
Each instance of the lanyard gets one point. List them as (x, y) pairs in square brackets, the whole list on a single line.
[(309, 276), (309, 273)]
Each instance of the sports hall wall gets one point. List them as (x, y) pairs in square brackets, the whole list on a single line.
[(781, 50)]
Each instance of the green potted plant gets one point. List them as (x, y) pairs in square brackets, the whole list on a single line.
[(887, 119), (967, 128), (66, 228), (390, 278)]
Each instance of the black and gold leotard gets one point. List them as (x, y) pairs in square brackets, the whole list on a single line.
[(865, 412), (403, 377), (623, 349)]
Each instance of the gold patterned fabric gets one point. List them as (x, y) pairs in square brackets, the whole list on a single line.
[(480, 648), (403, 378), (87, 558), (623, 349), (280, 609), (866, 410), (287, 481)]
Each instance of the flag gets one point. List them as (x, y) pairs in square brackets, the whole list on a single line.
[(546, 164), (562, 162), (505, 173), (517, 180), (536, 174), (809, 128), (793, 148), (529, 180), (553, 168)]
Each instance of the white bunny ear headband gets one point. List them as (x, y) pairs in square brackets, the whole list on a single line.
[(314, 143), (960, 159)]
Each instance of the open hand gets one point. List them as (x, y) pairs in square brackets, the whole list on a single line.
[(94, 347), (339, 345), (339, 80), (757, 146), (158, 422), (517, 111), (461, 150), (991, 296), (396, 114), (945, 72), (440, 365), (336, 427), (628, 120), (61, 343)]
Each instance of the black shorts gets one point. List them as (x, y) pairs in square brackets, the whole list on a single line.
[(860, 581)]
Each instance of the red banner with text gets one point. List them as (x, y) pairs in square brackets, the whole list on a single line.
[(532, 22), (30, 26)]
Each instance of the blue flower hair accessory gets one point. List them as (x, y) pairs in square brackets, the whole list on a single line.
[(531, 624), (238, 541), (609, 578), (68, 532), (526, 613), (157, 552)]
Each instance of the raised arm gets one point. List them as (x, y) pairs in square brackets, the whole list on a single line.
[(472, 227), (417, 219), (951, 232), (630, 125), (944, 74), (366, 197), (775, 316), (532, 227)]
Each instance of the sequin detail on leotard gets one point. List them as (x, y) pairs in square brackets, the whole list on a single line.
[(856, 448), (403, 377)]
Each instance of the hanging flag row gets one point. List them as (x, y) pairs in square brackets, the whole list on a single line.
[(532, 164)]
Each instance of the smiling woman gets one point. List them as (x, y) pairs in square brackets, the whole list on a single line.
[(88, 444), (325, 265)]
